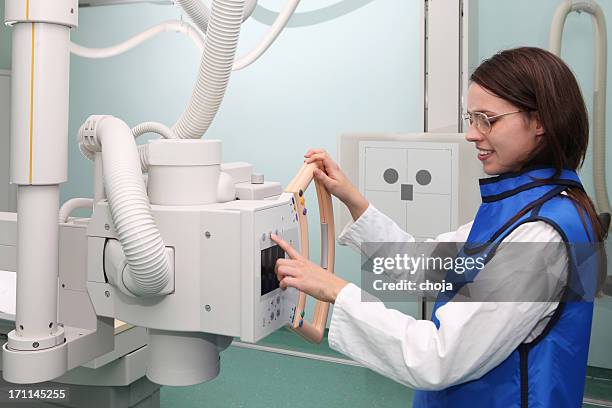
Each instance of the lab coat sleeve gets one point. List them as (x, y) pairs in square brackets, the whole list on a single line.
[(473, 338), (374, 226)]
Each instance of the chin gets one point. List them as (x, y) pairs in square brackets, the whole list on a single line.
[(491, 170), (494, 169)]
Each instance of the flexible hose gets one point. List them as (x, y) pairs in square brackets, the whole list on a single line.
[(215, 69), (219, 50), (599, 93), (194, 9), (167, 26), (71, 205), (199, 13), (150, 127), (279, 24), (153, 127), (148, 266)]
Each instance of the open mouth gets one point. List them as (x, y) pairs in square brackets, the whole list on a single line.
[(484, 154)]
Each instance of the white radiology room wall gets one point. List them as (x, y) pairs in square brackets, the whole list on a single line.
[(7, 196)]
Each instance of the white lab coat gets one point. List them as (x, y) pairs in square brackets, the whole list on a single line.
[(474, 337)]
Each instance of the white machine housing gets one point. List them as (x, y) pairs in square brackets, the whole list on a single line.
[(428, 173), (220, 285)]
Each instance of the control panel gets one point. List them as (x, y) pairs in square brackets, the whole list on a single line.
[(271, 307)]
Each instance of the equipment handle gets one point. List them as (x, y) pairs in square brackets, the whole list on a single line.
[(313, 331)]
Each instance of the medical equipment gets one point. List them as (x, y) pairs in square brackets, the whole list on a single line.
[(313, 331), (185, 252), (599, 93), (408, 175)]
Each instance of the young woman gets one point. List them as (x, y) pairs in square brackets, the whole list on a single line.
[(529, 125)]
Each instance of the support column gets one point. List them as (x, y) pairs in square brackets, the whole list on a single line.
[(36, 349)]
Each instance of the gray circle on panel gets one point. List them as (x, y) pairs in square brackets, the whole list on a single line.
[(423, 177), (391, 176)]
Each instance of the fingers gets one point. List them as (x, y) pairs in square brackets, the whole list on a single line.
[(281, 262), (323, 178), (287, 270), (330, 166), (319, 156), (313, 151), (288, 282), (293, 254)]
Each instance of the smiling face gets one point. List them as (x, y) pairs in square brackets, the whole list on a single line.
[(512, 139)]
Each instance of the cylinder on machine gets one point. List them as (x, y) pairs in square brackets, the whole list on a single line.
[(184, 172)]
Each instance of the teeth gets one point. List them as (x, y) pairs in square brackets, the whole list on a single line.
[(482, 151)]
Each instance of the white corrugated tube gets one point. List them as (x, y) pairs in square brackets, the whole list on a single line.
[(215, 69), (199, 13), (150, 127), (71, 205), (148, 267)]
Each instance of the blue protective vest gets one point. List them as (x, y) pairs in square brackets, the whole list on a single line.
[(550, 370)]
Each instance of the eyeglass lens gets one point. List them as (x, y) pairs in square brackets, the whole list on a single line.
[(479, 121)]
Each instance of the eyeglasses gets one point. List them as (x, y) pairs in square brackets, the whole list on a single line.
[(482, 122)]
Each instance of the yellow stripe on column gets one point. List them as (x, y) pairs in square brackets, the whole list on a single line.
[(27, 9), (32, 102)]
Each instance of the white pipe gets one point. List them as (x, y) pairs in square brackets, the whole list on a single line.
[(37, 260), (153, 127), (148, 266), (215, 69), (279, 24), (197, 12), (195, 35), (167, 26), (71, 205), (150, 127), (556, 28), (200, 14), (599, 93), (39, 163), (99, 193)]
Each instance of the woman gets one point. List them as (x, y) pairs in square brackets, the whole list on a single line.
[(529, 125)]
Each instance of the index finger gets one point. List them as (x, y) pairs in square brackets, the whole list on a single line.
[(293, 254)]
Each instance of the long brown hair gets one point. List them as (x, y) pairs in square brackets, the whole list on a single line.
[(540, 83)]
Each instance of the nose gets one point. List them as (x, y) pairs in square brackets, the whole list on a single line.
[(473, 135)]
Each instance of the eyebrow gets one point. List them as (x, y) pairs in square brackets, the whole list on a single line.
[(487, 112)]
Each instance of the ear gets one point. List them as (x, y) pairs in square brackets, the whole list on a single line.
[(536, 123)]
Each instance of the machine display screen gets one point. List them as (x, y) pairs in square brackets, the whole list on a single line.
[(269, 282)]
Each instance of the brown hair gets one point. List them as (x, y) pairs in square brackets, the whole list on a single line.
[(540, 83)]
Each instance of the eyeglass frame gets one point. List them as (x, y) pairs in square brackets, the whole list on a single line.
[(468, 116)]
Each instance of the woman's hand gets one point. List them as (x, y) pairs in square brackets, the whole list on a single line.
[(306, 276), (336, 182)]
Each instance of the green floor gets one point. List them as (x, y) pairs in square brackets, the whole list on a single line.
[(254, 379)]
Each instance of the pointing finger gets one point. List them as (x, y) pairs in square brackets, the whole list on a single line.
[(293, 254)]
